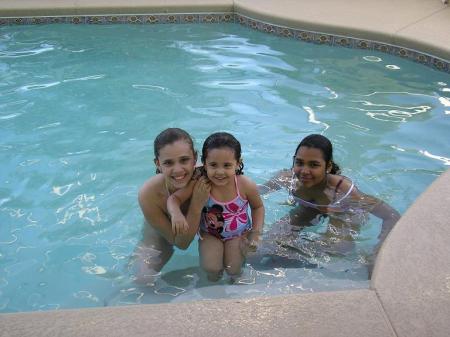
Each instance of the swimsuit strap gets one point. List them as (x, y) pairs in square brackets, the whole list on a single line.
[(332, 204), (346, 194), (336, 189), (237, 187)]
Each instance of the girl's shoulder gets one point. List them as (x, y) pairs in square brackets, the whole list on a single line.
[(342, 185), (153, 188), (245, 185)]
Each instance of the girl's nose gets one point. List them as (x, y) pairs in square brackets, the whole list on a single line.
[(305, 170), (178, 167)]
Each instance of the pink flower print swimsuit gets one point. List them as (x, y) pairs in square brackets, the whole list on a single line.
[(226, 220)]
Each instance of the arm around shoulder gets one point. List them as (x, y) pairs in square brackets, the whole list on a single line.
[(151, 205), (199, 197)]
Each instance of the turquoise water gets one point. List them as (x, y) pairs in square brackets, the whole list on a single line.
[(81, 104)]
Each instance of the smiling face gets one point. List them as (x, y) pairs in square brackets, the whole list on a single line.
[(310, 166), (221, 166), (177, 162)]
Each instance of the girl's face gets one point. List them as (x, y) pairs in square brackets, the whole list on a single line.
[(177, 162), (310, 166), (221, 166)]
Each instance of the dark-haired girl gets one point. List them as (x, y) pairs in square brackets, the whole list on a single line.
[(175, 160), (317, 189), (226, 229)]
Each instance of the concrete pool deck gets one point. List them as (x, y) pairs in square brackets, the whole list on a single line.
[(409, 293)]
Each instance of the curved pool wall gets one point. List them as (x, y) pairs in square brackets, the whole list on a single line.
[(409, 293)]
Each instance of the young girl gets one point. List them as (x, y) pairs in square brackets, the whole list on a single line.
[(317, 189), (225, 227), (175, 160)]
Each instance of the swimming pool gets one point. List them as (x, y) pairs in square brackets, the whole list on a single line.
[(80, 106)]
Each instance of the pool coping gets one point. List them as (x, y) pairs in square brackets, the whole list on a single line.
[(409, 293)]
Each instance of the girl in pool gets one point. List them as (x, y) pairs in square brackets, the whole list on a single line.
[(226, 231), (175, 160), (317, 189)]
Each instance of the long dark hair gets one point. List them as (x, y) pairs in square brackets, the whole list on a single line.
[(323, 144), (170, 136), (220, 140)]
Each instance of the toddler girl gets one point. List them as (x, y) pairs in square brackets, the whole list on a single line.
[(226, 230)]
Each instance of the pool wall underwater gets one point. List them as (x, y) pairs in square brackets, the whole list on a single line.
[(410, 288)]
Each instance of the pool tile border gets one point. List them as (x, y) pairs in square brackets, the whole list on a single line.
[(229, 17)]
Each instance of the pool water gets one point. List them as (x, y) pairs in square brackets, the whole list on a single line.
[(80, 106)]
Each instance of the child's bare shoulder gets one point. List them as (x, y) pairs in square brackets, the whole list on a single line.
[(245, 184)]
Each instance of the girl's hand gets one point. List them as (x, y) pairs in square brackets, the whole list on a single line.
[(248, 245), (179, 224), (201, 191)]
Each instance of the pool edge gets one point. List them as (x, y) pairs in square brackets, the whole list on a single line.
[(401, 303)]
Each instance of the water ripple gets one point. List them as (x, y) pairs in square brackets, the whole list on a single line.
[(86, 78), (312, 117), (10, 116), (25, 53), (37, 86), (158, 88), (443, 159)]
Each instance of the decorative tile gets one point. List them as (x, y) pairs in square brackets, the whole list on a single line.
[(253, 24), (307, 36), (385, 48), (171, 18), (242, 20), (115, 19), (152, 19), (208, 18), (268, 28), (96, 19), (323, 39), (286, 32), (56, 20), (19, 21), (77, 20), (39, 20), (226, 18), (363, 44), (440, 64), (403, 52), (421, 58), (343, 42), (188, 18), (134, 19)]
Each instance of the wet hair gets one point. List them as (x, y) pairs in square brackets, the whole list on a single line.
[(220, 140), (170, 136), (323, 144)]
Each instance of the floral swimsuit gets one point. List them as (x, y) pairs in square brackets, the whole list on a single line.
[(226, 220)]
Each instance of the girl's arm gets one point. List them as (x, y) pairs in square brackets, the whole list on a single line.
[(387, 214), (174, 202), (280, 180), (153, 211), (250, 191), (389, 217), (379, 208), (199, 198)]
